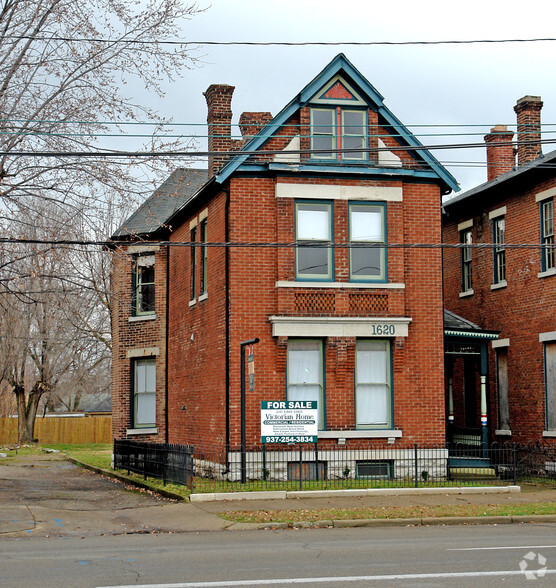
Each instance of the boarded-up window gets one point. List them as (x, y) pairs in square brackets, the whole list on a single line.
[(550, 383), (502, 384)]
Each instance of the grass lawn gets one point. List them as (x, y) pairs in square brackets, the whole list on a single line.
[(389, 512)]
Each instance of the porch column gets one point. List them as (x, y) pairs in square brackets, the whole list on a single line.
[(484, 412)]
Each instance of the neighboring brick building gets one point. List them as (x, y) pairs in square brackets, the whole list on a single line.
[(506, 289), (341, 318)]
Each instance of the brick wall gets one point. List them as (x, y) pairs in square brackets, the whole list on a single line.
[(135, 335), (520, 311)]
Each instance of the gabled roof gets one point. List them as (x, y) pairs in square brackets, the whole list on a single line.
[(541, 166), (340, 64), (153, 214)]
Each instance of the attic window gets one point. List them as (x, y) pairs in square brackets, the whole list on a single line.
[(338, 133)]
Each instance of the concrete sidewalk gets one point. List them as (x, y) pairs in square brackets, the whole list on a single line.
[(48, 496)]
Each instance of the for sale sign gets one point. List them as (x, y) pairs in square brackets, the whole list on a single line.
[(289, 421)]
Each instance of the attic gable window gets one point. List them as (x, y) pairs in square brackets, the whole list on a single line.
[(335, 129)]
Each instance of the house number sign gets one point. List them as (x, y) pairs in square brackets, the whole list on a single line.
[(383, 330)]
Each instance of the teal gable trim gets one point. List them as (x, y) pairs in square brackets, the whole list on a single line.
[(339, 64), (340, 170)]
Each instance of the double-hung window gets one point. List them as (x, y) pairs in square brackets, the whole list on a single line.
[(144, 289), (313, 236), (466, 239), (499, 238), (305, 373), (193, 254), (338, 133), (204, 267), (367, 260), (550, 384), (144, 393), (547, 235), (373, 387)]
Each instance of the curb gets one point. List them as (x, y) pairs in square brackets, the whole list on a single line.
[(283, 494), (416, 522)]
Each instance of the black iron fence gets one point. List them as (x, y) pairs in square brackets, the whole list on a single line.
[(169, 462), (324, 467)]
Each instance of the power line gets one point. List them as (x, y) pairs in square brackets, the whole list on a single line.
[(277, 43), (204, 124), (234, 153), (273, 245)]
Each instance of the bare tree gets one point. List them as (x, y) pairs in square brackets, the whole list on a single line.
[(63, 68)]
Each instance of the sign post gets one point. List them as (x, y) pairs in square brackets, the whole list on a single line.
[(242, 346)]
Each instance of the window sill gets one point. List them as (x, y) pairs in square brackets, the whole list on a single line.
[(203, 296), (467, 293), (361, 434), (549, 433), (341, 285), (145, 431), (142, 317), (193, 302), (547, 273), (503, 432), (499, 285)]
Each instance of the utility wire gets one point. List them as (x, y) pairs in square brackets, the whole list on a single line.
[(234, 153), (275, 245), (277, 43)]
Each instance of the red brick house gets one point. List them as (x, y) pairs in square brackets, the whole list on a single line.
[(341, 317), (507, 289)]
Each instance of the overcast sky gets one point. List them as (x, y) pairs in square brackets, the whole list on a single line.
[(435, 84)]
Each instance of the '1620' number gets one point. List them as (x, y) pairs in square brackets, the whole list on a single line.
[(384, 330)]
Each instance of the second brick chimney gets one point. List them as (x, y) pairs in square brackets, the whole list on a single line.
[(500, 151), (250, 123), (528, 110), (219, 119)]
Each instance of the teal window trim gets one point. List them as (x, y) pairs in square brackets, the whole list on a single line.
[(204, 249), (389, 424), (134, 404), (327, 245), (466, 238), (322, 365), (382, 276), (143, 285), (193, 263), (499, 251), (548, 252), (338, 133)]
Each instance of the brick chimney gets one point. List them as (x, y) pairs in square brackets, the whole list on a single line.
[(250, 123), (528, 110), (500, 151), (219, 119)]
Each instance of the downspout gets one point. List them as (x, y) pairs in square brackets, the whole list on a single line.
[(227, 320), (166, 434)]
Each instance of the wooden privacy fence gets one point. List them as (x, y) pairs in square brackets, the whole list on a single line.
[(62, 429)]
